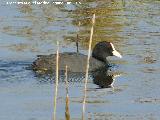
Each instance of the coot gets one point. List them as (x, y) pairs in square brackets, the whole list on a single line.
[(76, 62)]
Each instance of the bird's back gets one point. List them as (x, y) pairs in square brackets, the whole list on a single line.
[(76, 62)]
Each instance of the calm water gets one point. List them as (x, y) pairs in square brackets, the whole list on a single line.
[(28, 30)]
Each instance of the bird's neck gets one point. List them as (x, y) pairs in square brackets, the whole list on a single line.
[(100, 59)]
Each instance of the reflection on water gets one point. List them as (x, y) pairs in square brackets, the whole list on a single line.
[(101, 77), (29, 30)]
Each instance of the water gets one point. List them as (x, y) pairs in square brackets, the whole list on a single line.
[(28, 30)]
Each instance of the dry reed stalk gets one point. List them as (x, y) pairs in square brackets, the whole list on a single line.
[(87, 67), (57, 77), (66, 79), (67, 114), (78, 38)]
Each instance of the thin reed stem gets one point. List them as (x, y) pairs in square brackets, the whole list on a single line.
[(77, 41), (87, 67), (57, 77), (67, 113), (66, 79)]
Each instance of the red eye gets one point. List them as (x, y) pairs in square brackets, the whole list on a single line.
[(109, 45)]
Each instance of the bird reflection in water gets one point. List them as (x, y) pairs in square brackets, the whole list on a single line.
[(102, 77)]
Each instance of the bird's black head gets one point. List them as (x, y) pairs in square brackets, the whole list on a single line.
[(103, 50)]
